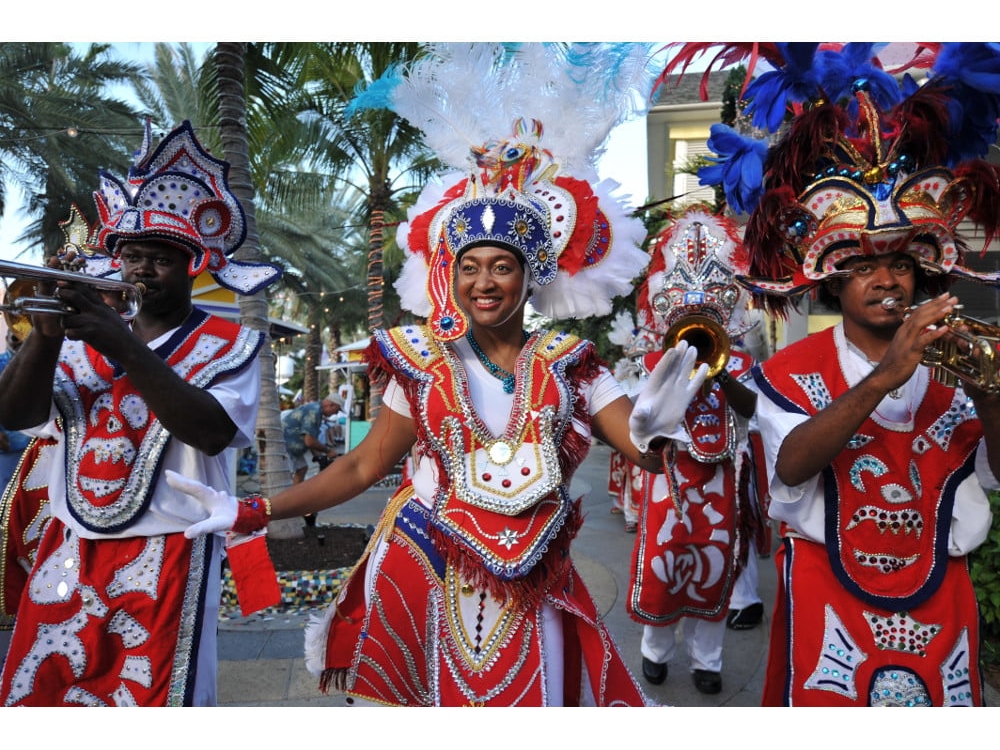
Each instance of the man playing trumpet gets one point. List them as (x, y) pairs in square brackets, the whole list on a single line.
[(691, 543), (877, 472), (120, 608)]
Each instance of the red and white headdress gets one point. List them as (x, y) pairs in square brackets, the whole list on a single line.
[(180, 193), (691, 272), (522, 126)]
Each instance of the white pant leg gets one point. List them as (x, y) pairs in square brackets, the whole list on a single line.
[(704, 643), (658, 642), (745, 588)]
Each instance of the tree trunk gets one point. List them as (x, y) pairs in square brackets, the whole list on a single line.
[(378, 200), (314, 353), (272, 464)]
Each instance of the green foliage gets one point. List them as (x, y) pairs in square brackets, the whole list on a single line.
[(984, 563)]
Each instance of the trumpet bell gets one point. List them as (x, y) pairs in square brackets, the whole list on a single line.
[(969, 352), (19, 324), (706, 335)]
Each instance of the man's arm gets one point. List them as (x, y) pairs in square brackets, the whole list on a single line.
[(191, 414), (27, 381), (812, 445)]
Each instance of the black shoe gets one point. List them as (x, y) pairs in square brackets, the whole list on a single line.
[(745, 619), (707, 682), (653, 672)]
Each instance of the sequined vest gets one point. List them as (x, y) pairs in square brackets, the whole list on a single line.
[(502, 498), (889, 494), (114, 443)]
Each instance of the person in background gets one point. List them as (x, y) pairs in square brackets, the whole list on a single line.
[(690, 547), (12, 442), (303, 427), (120, 608)]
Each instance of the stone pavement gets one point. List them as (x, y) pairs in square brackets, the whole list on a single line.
[(261, 661)]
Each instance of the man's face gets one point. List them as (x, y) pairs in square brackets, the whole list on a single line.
[(872, 280), (162, 268), (330, 408)]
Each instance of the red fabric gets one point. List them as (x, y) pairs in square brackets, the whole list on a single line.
[(683, 560), (800, 617), (24, 513), (889, 532), (124, 610), (254, 578)]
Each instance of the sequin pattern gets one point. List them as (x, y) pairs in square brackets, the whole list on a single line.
[(814, 387), (838, 663)]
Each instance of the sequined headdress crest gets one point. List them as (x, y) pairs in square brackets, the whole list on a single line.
[(180, 193), (858, 158), (522, 127), (691, 272)]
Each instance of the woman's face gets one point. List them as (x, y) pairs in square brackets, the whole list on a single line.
[(489, 284)]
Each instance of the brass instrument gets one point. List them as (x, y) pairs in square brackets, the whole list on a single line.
[(706, 335), (21, 298), (968, 352)]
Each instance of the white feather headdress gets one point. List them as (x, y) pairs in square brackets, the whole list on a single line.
[(522, 126)]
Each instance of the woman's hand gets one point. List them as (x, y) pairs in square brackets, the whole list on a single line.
[(222, 507), (665, 395)]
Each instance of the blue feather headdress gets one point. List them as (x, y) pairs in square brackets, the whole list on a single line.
[(856, 157)]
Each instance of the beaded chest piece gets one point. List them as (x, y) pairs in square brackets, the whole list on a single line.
[(504, 498)]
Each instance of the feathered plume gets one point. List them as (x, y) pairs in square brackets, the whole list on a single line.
[(848, 126)]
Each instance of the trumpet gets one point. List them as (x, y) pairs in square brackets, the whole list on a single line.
[(22, 299), (706, 335), (968, 352)]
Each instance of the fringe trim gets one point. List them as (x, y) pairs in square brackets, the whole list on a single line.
[(524, 591), (333, 679)]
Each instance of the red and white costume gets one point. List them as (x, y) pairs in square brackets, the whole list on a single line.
[(685, 559), (882, 533), (120, 608), (468, 581)]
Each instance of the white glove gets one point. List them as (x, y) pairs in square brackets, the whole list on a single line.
[(665, 396), (221, 506)]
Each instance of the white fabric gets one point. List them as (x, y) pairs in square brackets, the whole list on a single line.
[(745, 588), (801, 506), (703, 639)]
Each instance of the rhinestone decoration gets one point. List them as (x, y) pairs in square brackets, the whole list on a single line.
[(900, 632), (895, 686), (955, 673), (815, 389)]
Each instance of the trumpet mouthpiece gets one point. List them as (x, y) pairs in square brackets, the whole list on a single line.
[(889, 303), (142, 287)]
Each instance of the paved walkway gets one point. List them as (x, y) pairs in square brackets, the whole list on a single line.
[(261, 660)]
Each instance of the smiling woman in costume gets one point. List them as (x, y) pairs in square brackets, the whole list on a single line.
[(467, 594)]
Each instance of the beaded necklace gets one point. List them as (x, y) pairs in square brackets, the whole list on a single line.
[(507, 378)]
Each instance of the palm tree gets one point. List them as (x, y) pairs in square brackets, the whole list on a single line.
[(58, 129), (376, 151), (230, 58), (308, 230)]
